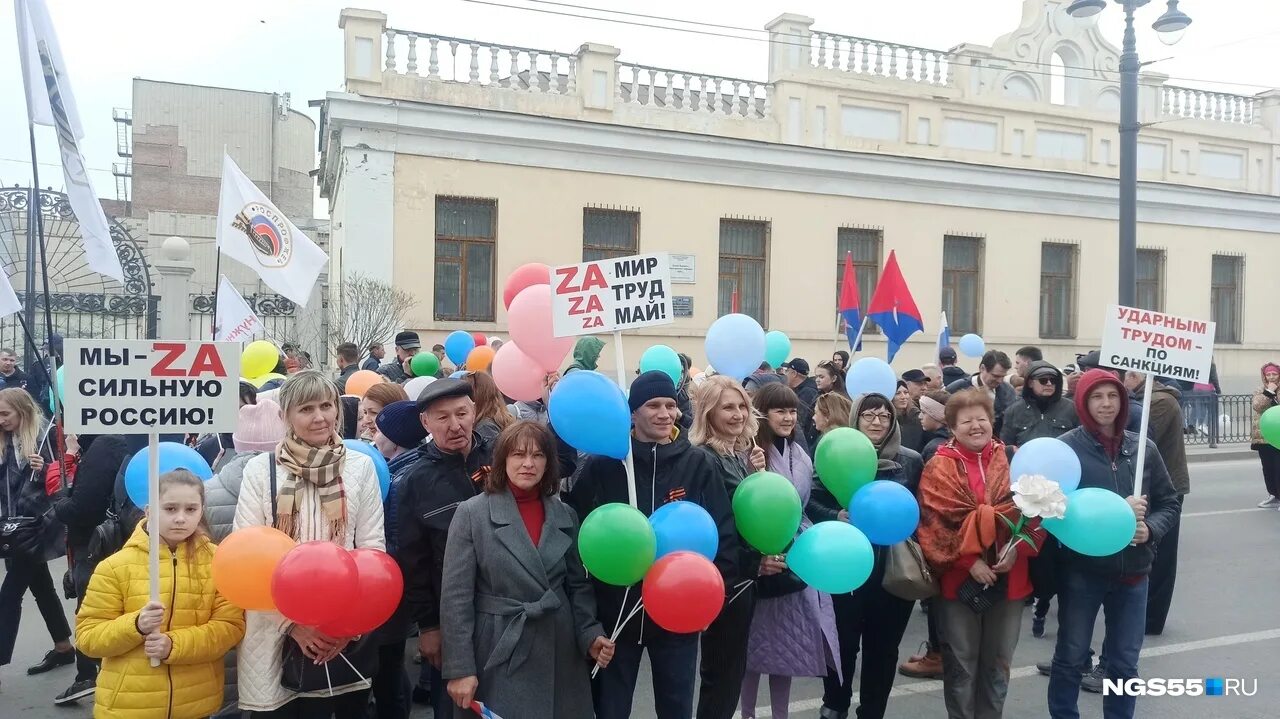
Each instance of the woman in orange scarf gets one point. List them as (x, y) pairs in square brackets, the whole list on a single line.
[(984, 580)]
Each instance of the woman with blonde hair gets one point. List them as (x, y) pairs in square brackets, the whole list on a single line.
[(23, 456), (312, 489), (831, 411), (724, 426)]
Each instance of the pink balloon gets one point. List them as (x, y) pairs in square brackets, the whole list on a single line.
[(517, 374), (534, 273), (529, 319)]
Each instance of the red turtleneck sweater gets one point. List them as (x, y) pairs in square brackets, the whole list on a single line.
[(529, 502)]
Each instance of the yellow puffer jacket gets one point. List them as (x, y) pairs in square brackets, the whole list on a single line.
[(202, 624)]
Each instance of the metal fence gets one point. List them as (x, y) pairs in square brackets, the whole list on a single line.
[(1214, 419)]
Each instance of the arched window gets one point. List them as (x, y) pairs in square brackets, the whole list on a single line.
[(1066, 70), (1057, 79)]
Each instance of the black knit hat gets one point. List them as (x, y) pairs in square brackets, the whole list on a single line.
[(400, 423), (650, 385)]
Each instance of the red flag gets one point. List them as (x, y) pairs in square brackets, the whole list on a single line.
[(893, 308), (850, 311), (733, 302)]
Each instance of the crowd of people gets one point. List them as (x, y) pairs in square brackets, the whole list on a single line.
[(482, 515)]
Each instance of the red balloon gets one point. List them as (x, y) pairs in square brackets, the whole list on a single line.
[(481, 339), (683, 592), (534, 273), (379, 586), (314, 583)]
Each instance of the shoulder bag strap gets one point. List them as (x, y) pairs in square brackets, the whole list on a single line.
[(271, 464)]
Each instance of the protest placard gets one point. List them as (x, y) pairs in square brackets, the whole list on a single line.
[(611, 295), (151, 386)]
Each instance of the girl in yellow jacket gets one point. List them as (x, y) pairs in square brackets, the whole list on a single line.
[(188, 631)]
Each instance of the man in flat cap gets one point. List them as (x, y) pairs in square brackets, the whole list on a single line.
[(452, 469)]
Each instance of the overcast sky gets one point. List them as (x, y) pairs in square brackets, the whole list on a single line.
[(295, 46)]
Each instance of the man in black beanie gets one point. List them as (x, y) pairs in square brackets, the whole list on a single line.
[(668, 469)]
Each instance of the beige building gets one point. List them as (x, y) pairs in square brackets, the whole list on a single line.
[(991, 170)]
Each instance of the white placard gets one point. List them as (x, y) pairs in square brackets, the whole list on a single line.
[(151, 386), (1157, 344), (611, 295), (684, 269)]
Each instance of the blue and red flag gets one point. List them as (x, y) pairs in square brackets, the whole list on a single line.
[(483, 711), (849, 307), (893, 308)]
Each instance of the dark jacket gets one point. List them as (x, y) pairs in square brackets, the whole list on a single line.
[(1098, 470), (664, 473), (931, 441), (394, 372), (427, 499), (1165, 429), (951, 374), (86, 505), (1033, 417), (23, 495), (343, 375), (370, 363), (808, 393), (760, 378), (731, 470), (1006, 396), (685, 403), (906, 470), (912, 430)]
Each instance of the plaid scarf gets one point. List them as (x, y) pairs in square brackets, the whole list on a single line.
[(320, 466)]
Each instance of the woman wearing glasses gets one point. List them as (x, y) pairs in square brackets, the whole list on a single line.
[(869, 617), (1042, 411)]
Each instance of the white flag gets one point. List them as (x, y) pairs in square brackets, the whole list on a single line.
[(9, 303), (252, 231), (50, 102), (235, 320)]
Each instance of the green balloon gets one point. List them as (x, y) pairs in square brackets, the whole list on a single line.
[(662, 359), (1269, 423), (777, 346), (617, 544), (767, 510), (425, 364), (846, 462)]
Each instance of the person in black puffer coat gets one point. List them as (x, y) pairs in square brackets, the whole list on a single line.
[(1042, 411)]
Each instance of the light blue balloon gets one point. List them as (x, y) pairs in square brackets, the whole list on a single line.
[(885, 511), (590, 412), (871, 375), (459, 374), (685, 527), (833, 557), (457, 346), (173, 455), (379, 463), (777, 347), (662, 358), (1049, 457), (735, 346), (973, 345), (1098, 522)]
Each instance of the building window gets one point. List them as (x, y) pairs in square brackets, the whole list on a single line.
[(1057, 291), (962, 283), (1224, 298), (1150, 294), (609, 233), (865, 246), (465, 229), (743, 246)]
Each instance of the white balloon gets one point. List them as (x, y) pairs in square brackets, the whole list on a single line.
[(493, 340), (414, 387)]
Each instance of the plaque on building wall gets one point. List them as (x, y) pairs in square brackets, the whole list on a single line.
[(683, 269), (682, 305)]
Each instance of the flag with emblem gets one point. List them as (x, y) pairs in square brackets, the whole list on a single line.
[(893, 308), (50, 102), (235, 320), (252, 231)]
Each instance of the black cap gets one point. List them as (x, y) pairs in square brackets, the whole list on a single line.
[(914, 375), (408, 340), (798, 365), (649, 385), (442, 389), (947, 354)]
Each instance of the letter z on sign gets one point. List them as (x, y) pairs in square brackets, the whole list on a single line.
[(611, 295)]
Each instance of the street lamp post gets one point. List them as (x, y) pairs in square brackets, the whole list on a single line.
[(1171, 26)]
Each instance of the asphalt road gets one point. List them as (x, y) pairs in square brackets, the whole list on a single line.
[(1224, 623)]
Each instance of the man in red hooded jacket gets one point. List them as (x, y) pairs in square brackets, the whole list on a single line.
[(1117, 583)]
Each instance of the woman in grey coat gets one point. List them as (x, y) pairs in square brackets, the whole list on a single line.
[(517, 610)]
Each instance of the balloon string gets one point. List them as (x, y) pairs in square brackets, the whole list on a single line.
[(343, 656), (327, 679), (618, 629), (618, 622), (745, 585)]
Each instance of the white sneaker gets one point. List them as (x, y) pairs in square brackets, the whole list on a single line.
[(1270, 502)]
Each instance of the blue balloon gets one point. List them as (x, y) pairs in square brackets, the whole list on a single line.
[(1098, 522), (735, 346), (459, 374), (379, 462), (973, 345), (833, 557), (590, 412), (1049, 457), (458, 345), (173, 455), (885, 511), (871, 374), (777, 347), (685, 527)]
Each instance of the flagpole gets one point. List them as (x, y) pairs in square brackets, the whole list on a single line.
[(858, 341), (217, 278), (38, 228)]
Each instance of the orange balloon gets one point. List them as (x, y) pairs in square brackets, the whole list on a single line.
[(360, 382), (243, 565), (480, 359)]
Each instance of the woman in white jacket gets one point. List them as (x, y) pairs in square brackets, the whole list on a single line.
[(323, 493)]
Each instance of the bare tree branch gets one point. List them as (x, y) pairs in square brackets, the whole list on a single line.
[(369, 310)]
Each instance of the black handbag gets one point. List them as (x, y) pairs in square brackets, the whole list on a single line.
[(21, 537), (779, 585), (980, 597), (356, 664)]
